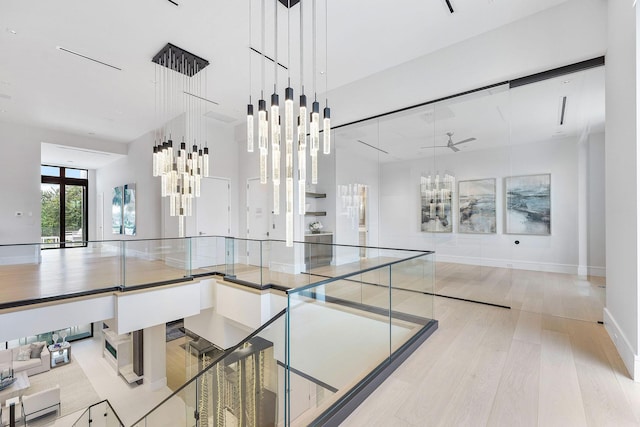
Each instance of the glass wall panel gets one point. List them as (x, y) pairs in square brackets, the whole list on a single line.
[(554, 196), (505, 184)]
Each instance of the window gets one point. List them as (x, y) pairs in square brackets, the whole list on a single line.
[(64, 215)]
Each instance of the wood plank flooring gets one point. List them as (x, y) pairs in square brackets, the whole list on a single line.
[(488, 366)]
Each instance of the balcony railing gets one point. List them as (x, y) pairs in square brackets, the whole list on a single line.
[(30, 275), (316, 360)]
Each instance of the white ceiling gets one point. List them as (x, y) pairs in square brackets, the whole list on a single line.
[(496, 117), (43, 86)]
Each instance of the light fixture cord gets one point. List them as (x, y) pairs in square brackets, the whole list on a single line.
[(288, 44), (301, 51), (155, 105), (275, 41), (315, 69), (262, 48), (326, 51), (250, 68)]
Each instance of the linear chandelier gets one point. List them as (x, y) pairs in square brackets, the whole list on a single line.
[(269, 122), (179, 88)]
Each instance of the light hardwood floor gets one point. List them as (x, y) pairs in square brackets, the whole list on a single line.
[(544, 362), (488, 366)]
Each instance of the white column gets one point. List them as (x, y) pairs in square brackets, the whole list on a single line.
[(155, 357), (621, 165)]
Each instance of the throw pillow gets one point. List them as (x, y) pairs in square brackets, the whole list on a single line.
[(36, 350), (24, 354)]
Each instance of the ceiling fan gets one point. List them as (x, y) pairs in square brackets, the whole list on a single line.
[(451, 144)]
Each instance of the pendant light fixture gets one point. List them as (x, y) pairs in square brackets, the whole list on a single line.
[(308, 123), (179, 88)]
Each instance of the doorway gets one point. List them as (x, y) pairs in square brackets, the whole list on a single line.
[(213, 211)]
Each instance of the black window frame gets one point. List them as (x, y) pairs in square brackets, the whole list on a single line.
[(62, 180)]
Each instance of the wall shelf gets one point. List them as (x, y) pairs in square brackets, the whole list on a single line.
[(315, 214), (316, 195)]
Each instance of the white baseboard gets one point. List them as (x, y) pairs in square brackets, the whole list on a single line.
[(631, 360), (519, 265)]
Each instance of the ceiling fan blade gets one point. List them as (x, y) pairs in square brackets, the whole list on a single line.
[(435, 146), (455, 150), (465, 140)]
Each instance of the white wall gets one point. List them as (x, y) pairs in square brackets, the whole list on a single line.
[(400, 206), (20, 170), (621, 164), (135, 168)]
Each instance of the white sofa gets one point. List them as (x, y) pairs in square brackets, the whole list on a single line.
[(31, 366), (41, 403)]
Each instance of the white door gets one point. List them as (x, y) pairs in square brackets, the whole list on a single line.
[(258, 215), (212, 221)]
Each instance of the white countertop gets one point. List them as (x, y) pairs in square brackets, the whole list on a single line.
[(322, 233)]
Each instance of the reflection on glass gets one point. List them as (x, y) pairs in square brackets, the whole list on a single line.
[(116, 210), (129, 210)]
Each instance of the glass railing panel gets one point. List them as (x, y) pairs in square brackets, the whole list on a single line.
[(245, 387), (83, 420), (208, 255), (100, 414), (111, 417), (286, 265), (334, 342), (181, 409), (230, 255), (412, 283), (95, 265), (248, 260), (156, 260)]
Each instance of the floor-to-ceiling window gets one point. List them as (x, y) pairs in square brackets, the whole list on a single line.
[(63, 193)]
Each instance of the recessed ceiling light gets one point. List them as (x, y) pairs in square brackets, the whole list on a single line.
[(4, 82), (3, 111), (12, 31), (91, 133), (69, 161), (564, 82)]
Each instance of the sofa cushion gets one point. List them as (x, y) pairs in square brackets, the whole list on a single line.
[(20, 365), (36, 350), (23, 354)]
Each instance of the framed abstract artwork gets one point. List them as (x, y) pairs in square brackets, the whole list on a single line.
[(116, 210), (477, 206), (528, 204), (435, 203)]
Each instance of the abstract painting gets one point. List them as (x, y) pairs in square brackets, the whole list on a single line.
[(116, 210), (435, 205), (528, 204), (477, 206)]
